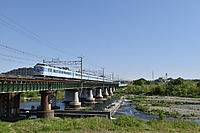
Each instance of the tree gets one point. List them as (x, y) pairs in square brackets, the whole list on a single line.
[(140, 81)]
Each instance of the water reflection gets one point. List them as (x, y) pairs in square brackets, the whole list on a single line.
[(29, 104)]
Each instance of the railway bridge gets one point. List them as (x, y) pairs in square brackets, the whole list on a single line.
[(11, 88)]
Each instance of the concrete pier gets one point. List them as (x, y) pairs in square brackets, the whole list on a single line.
[(110, 91), (68, 98), (75, 100), (94, 92), (113, 89), (83, 95), (9, 104), (45, 110), (105, 92), (108, 112), (99, 95), (90, 99), (54, 100)]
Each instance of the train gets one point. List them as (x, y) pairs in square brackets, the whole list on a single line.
[(45, 70)]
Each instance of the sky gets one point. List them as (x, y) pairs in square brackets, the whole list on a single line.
[(130, 38)]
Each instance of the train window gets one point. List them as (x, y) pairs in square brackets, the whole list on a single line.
[(45, 69), (41, 69), (78, 75), (69, 73)]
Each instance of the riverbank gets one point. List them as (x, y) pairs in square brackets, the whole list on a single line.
[(180, 107), (123, 124), (96, 124)]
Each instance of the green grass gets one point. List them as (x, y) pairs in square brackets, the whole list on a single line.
[(4, 127), (97, 124)]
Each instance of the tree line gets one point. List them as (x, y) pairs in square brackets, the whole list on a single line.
[(165, 87)]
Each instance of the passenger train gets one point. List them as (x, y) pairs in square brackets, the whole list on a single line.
[(44, 70)]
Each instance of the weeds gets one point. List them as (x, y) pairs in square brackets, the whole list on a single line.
[(97, 124)]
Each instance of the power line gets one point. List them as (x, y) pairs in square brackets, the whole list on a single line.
[(10, 56), (35, 37), (7, 48), (19, 31), (32, 36), (25, 34), (9, 60)]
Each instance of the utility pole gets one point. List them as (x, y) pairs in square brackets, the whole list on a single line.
[(112, 77), (81, 57), (103, 76), (153, 75)]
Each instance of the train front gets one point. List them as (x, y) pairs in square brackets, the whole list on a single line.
[(39, 70)]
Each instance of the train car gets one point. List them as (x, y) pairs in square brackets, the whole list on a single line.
[(77, 75), (44, 70)]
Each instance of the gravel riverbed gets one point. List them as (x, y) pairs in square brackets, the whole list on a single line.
[(185, 106)]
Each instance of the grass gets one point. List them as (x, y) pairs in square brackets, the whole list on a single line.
[(4, 127), (97, 124)]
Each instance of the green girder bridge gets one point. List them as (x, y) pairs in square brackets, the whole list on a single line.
[(12, 87), (15, 84)]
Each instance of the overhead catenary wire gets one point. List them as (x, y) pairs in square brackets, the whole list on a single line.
[(14, 57), (33, 36), (25, 34), (100, 71), (9, 60), (7, 48)]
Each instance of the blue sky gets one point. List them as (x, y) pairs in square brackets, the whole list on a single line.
[(131, 38)]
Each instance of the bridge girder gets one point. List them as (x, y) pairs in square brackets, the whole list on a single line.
[(10, 85)]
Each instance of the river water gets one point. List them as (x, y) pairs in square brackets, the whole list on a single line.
[(129, 110), (126, 109)]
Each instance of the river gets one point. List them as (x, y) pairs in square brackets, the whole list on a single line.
[(126, 109)]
